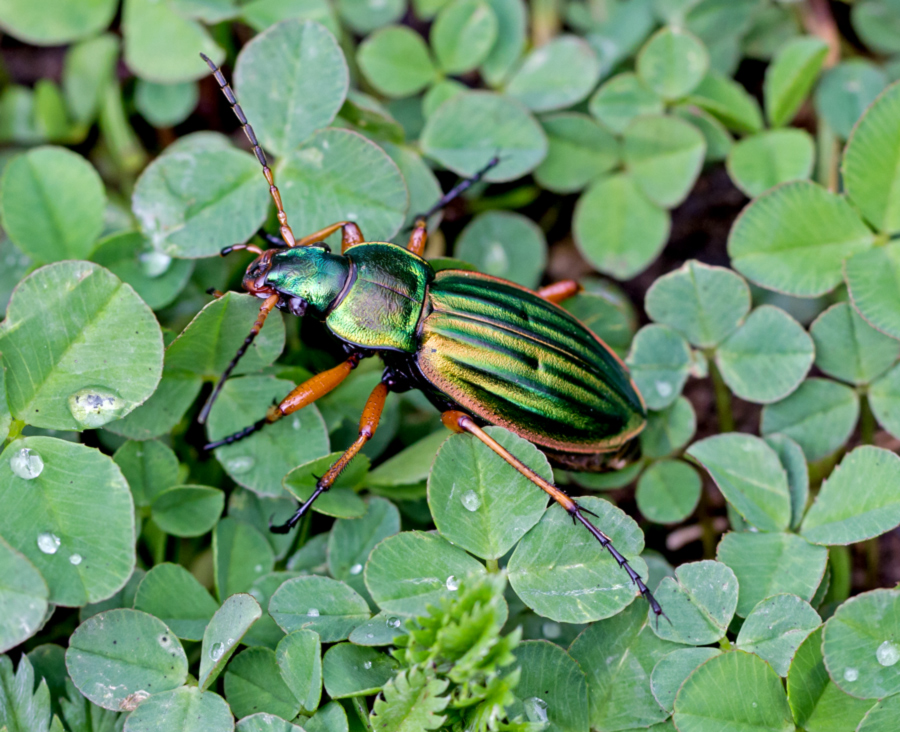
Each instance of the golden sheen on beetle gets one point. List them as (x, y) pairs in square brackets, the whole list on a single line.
[(483, 350)]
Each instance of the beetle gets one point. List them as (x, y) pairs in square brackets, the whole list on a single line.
[(483, 350)]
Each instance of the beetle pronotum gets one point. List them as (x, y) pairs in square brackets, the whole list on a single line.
[(483, 350)]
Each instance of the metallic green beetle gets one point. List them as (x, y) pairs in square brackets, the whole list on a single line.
[(483, 350)]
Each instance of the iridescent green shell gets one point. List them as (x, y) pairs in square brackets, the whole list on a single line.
[(514, 359), (382, 304)]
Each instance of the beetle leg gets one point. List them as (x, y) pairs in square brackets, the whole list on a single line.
[(368, 423), (559, 291), (286, 232), (418, 237), (267, 306), (459, 422), (350, 235), (309, 391)]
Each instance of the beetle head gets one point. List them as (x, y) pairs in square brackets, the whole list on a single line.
[(308, 279)]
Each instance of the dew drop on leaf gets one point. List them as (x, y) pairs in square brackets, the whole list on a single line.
[(312, 613), (393, 622), (551, 630), (452, 583), (93, 407), (26, 463), (75, 559), (851, 674), (217, 651), (888, 653), (536, 710), (356, 569), (48, 543), (154, 263), (367, 665), (663, 388), (495, 261), (471, 501), (238, 465)]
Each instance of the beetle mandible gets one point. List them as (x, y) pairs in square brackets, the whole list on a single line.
[(483, 350)]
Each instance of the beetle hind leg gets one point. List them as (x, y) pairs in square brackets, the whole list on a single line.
[(368, 423), (460, 422)]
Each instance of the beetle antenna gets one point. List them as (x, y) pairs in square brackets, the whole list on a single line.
[(264, 310), (286, 232), (460, 188)]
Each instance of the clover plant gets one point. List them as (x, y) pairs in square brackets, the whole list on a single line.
[(433, 588)]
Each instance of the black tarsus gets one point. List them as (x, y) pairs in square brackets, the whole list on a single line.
[(300, 512), (460, 188), (578, 514), (247, 431)]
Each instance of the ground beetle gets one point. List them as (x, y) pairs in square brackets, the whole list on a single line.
[(483, 350)]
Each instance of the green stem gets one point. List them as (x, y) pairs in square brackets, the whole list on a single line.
[(493, 566), (723, 396), (544, 21), (15, 430), (361, 710), (866, 420), (867, 436)]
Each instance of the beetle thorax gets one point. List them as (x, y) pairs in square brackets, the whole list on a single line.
[(312, 274)]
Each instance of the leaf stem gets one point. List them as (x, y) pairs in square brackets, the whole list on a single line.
[(493, 566), (866, 420), (544, 21), (15, 430), (723, 396)]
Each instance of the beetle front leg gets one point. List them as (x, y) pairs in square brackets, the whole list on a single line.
[(308, 392), (460, 422), (350, 235), (368, 423)]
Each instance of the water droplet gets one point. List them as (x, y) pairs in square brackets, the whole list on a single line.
[(48, 543), (240, 464), (393, 622), (888, 654), (94, 406), (551, 630), (663, 388), (851, 674), (154, 263), (258, 568), (164, 641), (26, 463), (496, 261), (75, 559), (367, 665), (754, 705), (370, 635), (295, 423), (312, 613), (452, 583), (536, 710), (356, 569), (217, 651), (471, 501)]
